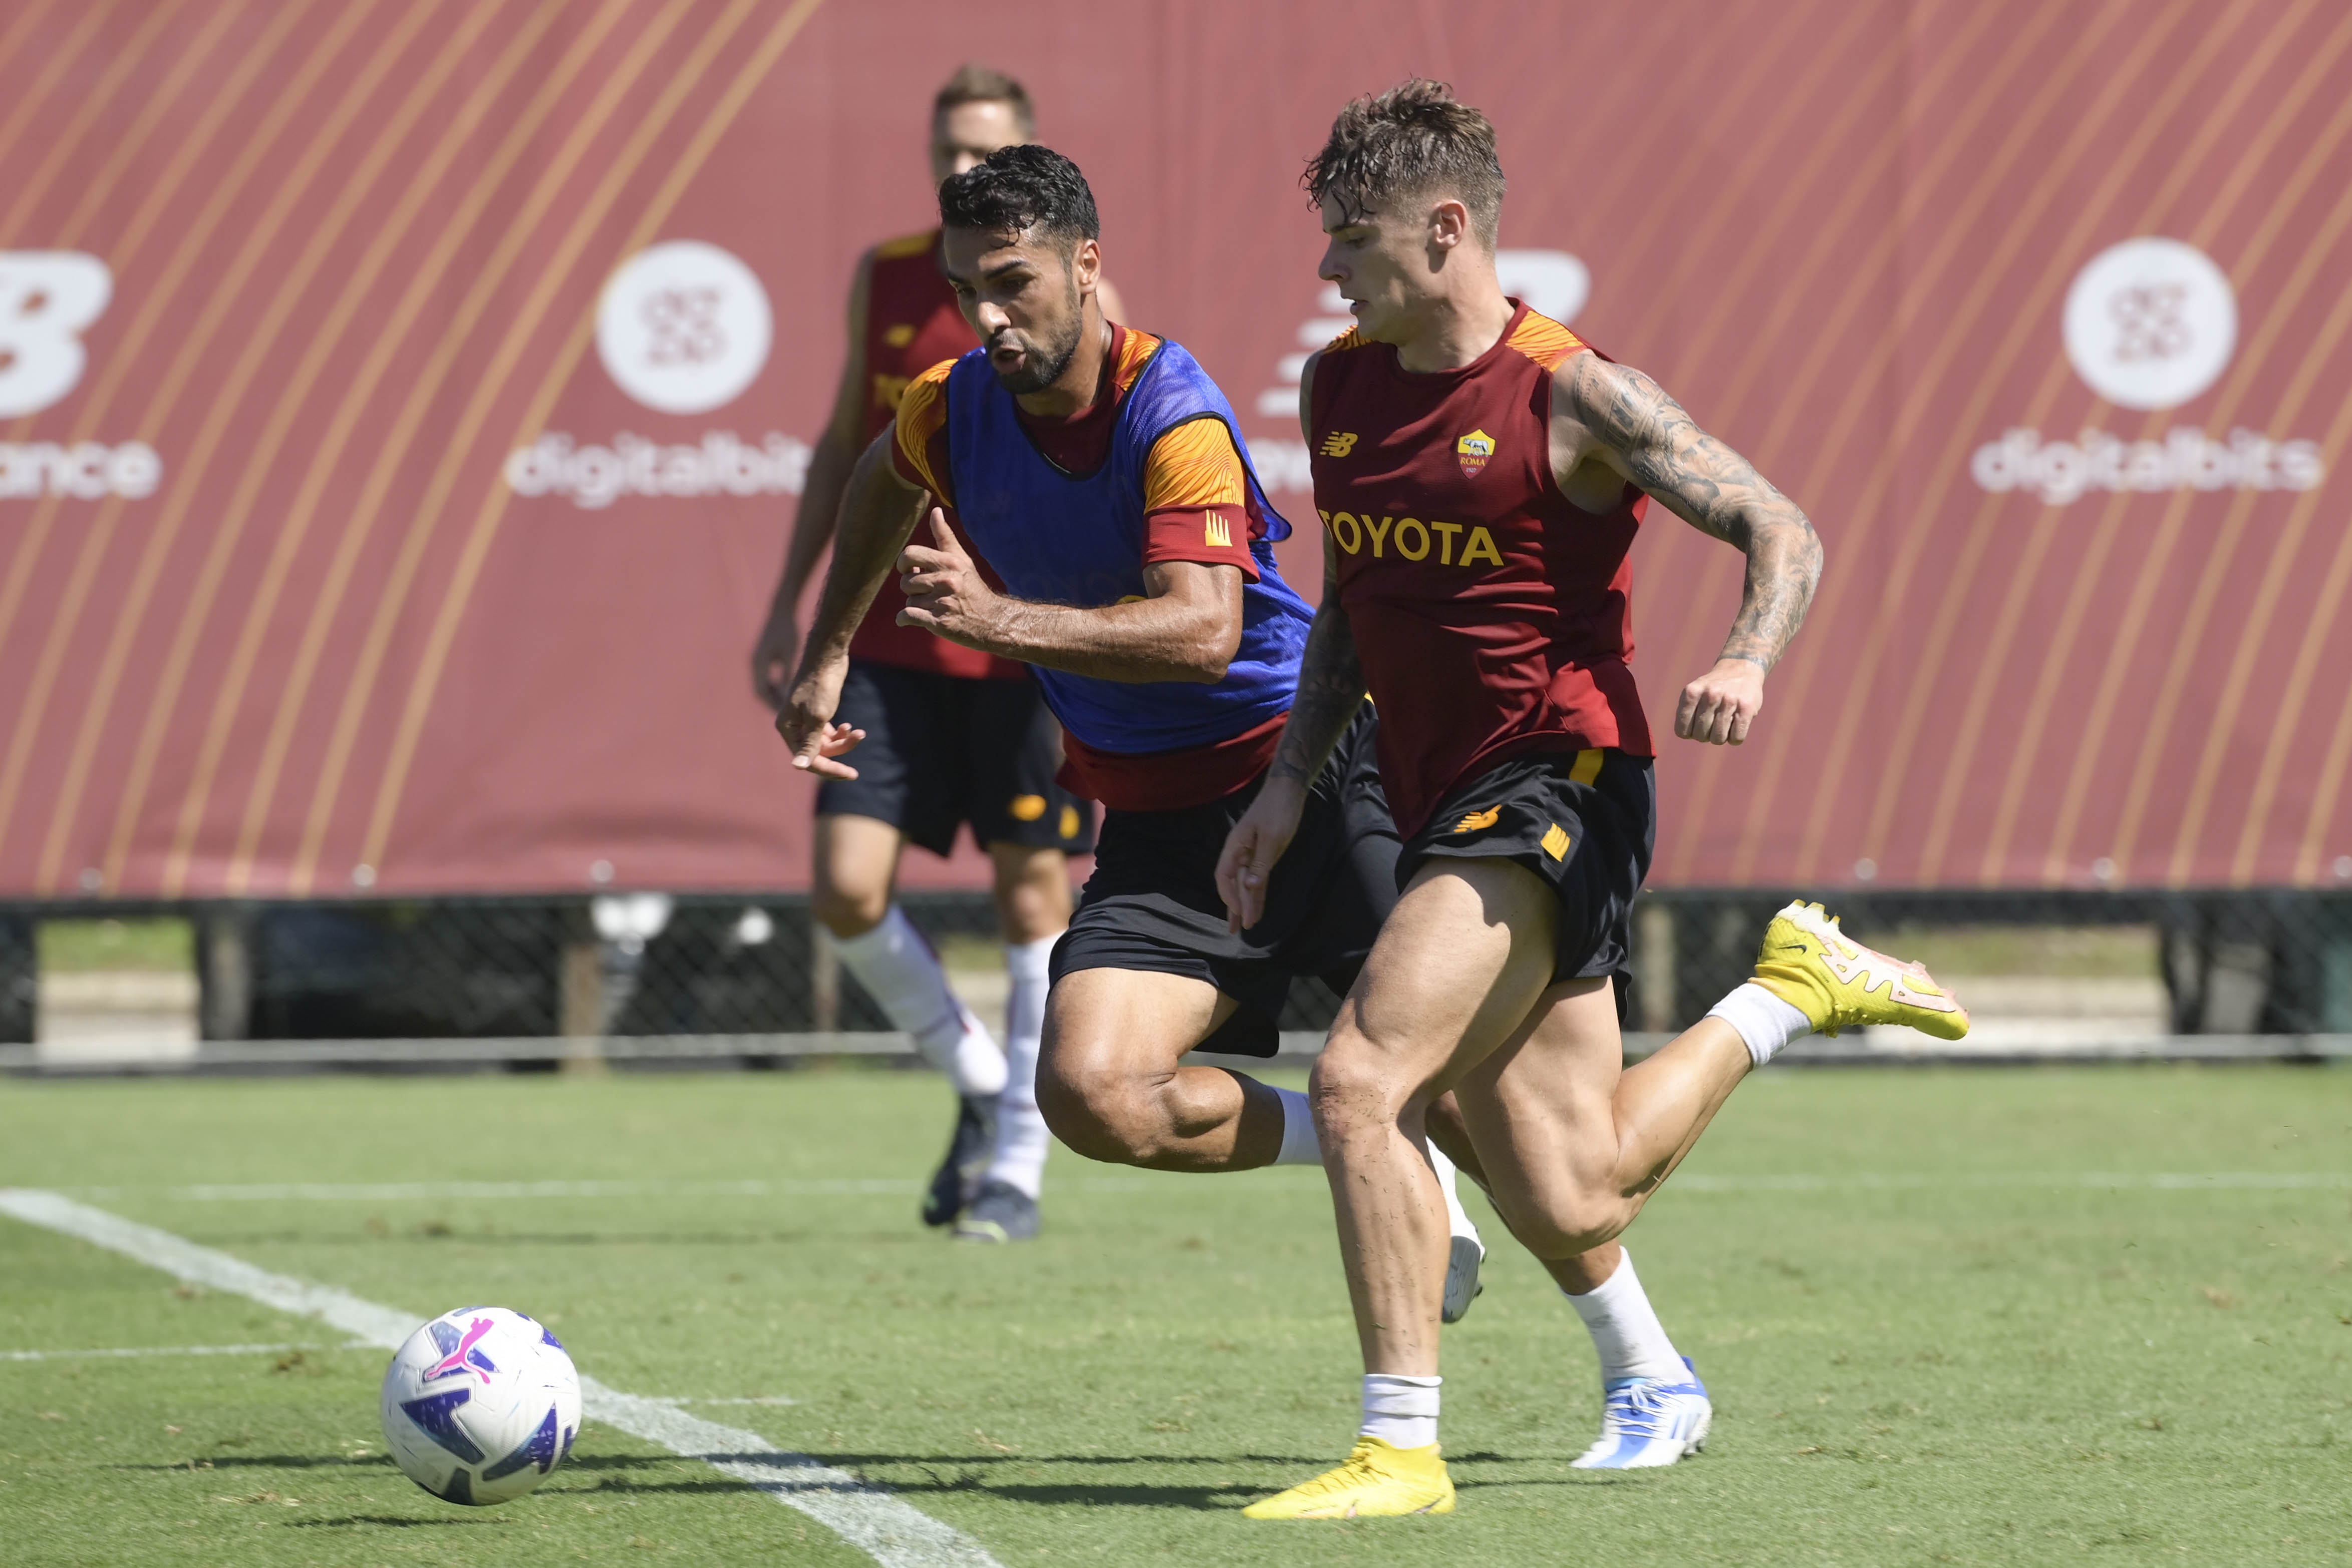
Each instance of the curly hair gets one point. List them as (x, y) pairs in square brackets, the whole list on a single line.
[(1020, 188), (1416, 139)]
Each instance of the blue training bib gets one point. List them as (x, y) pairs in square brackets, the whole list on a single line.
[(1077, 539)]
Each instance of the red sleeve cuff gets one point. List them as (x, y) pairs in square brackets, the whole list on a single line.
[(1215, 535)]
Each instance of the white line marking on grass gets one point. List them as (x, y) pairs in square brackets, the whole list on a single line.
[(153, 1350), (887, 1529)]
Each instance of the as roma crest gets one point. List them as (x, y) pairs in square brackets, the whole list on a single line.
[(1473, 450)]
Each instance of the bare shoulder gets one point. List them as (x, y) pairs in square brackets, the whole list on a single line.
[(1618, 405)]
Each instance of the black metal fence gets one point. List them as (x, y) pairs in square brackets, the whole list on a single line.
[(2236, 962)]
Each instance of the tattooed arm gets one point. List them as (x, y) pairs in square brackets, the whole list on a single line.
[(1611, 423), (1331, 690)]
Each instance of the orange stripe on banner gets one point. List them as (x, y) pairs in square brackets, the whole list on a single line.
[(2288, 721), (122, 257), (2326, 795), (1618, 175), (424, 280), (1759, 69), (1955, 587), (58, 71), (1991, 88), (522, 134), (2187, 635), (488, 386), (293, 398), (60, 146), (226, 408), (192, 355), (1689, 643), (2018, 226), (2156, 559), (426, 679), (1793, 94), (2014, 602), (2056, 668), (2216, 746), (158, 299)]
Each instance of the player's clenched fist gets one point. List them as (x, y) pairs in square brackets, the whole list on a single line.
[(805, 721), (945, 592), (1719, 705)]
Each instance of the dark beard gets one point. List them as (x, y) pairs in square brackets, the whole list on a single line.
[(1047, 362)]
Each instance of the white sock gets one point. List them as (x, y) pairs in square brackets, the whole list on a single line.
[(1625, 1330), (1022, 1140), (1457, 1221), (1765, 1021), (1298, 1144), (1399, 1411), (903, 976)]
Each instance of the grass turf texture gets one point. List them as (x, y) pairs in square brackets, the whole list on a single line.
[(1997, 1371)]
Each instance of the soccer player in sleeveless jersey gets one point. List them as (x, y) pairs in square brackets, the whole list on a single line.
[(952, 735), (1481, 472), (1097, 518)]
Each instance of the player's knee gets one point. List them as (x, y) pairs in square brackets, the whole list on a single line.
[(1112, 1117), (1352, 1082), (1563, 1220), (848, 911)]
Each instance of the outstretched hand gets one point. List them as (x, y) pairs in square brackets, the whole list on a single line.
[(946, 595), (806, 723), (1719, 707), (1251, 847)]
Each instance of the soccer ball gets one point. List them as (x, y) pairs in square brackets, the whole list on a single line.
[(480, 1406)]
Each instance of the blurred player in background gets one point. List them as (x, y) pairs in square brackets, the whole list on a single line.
[(1481, 473), (952, 735)]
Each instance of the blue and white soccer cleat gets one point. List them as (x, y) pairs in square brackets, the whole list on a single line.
[(1647, 1421)]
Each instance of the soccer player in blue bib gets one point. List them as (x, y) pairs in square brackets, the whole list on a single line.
[(1074, 493)]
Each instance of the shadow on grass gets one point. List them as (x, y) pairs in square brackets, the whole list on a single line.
[(386, 1522), (267, 1462)]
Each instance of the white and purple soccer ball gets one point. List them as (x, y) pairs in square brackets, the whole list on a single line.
[(480, 1406)]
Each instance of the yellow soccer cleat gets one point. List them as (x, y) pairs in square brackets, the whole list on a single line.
[(1378, 1481), (1837, 983)]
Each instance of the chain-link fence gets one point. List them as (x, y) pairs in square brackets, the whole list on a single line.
[(2232, 963)]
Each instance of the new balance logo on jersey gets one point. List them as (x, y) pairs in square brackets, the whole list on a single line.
[(1475, 820), (1215, 532), (1339, 443), (1472, 452), (1411, 539)]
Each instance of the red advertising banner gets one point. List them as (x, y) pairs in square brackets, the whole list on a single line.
[(403, 403)]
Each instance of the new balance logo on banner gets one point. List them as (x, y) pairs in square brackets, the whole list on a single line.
[(47, 298)]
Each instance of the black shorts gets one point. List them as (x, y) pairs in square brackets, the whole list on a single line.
[(943, 750), (1585, 821), (1152, 902)]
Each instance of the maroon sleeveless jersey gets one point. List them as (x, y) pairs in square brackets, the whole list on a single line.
[(911, 324), (1490, 614)]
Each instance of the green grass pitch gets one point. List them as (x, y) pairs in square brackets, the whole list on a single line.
[(1948, 1317)]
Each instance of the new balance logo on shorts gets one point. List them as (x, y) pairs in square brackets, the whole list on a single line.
[(1475, 820), (1217, 534)]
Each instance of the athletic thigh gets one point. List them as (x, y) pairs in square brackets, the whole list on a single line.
[(1110, 1024), (1540, 1111), (1465, 958)]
